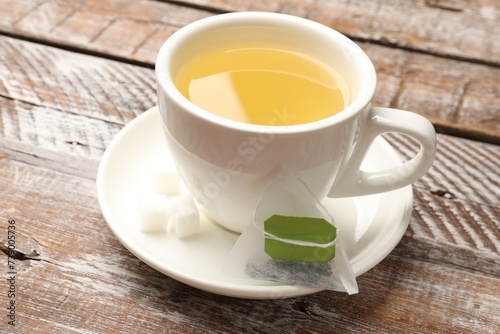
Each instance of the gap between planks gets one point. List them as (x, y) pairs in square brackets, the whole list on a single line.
[(78, 50), (216, 10)]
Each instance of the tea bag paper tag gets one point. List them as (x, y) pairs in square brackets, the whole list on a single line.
[(304, 239), (314, 260)]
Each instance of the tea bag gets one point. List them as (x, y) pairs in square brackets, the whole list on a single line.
[(292, 239)]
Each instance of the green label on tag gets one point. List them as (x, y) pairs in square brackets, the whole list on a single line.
[(316, 230)]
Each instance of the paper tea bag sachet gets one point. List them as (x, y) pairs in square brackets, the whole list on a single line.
[(292, 239)]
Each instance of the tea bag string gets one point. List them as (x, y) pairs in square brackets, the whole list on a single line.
[(296, 242)]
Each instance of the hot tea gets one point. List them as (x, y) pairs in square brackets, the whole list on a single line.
[(258, 84)]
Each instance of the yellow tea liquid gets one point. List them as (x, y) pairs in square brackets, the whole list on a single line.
[(266, 85)]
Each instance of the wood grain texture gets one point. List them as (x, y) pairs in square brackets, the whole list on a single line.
[(91, 86), (465, 30), (456, 28), (96, 286), (59, 110), (128, 29), (457, 204), (64, 111), (53, 101), (53, 138), (459, 97)]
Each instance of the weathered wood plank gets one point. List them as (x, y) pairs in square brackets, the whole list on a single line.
[(52, 104), (63, 114), (91, 86), (60, 110), (81, 280), (458, 203), (453, 211), (53, 138), (461, 29), (460, 98), (126, 27)]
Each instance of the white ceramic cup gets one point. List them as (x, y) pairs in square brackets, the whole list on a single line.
[(227, 165)]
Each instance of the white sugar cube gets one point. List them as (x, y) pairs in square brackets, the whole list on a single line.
[(166, 180), (155, 212), (185, 216)]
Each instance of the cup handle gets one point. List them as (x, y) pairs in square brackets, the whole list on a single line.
[(352, 181)]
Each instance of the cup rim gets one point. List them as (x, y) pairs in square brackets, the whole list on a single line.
[(169, 47)]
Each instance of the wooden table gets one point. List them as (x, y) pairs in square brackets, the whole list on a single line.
[(74, 72)]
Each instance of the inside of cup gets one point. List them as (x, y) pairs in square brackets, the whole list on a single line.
[(306, 36)]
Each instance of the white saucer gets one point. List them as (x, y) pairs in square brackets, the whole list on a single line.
[(372, 225)]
